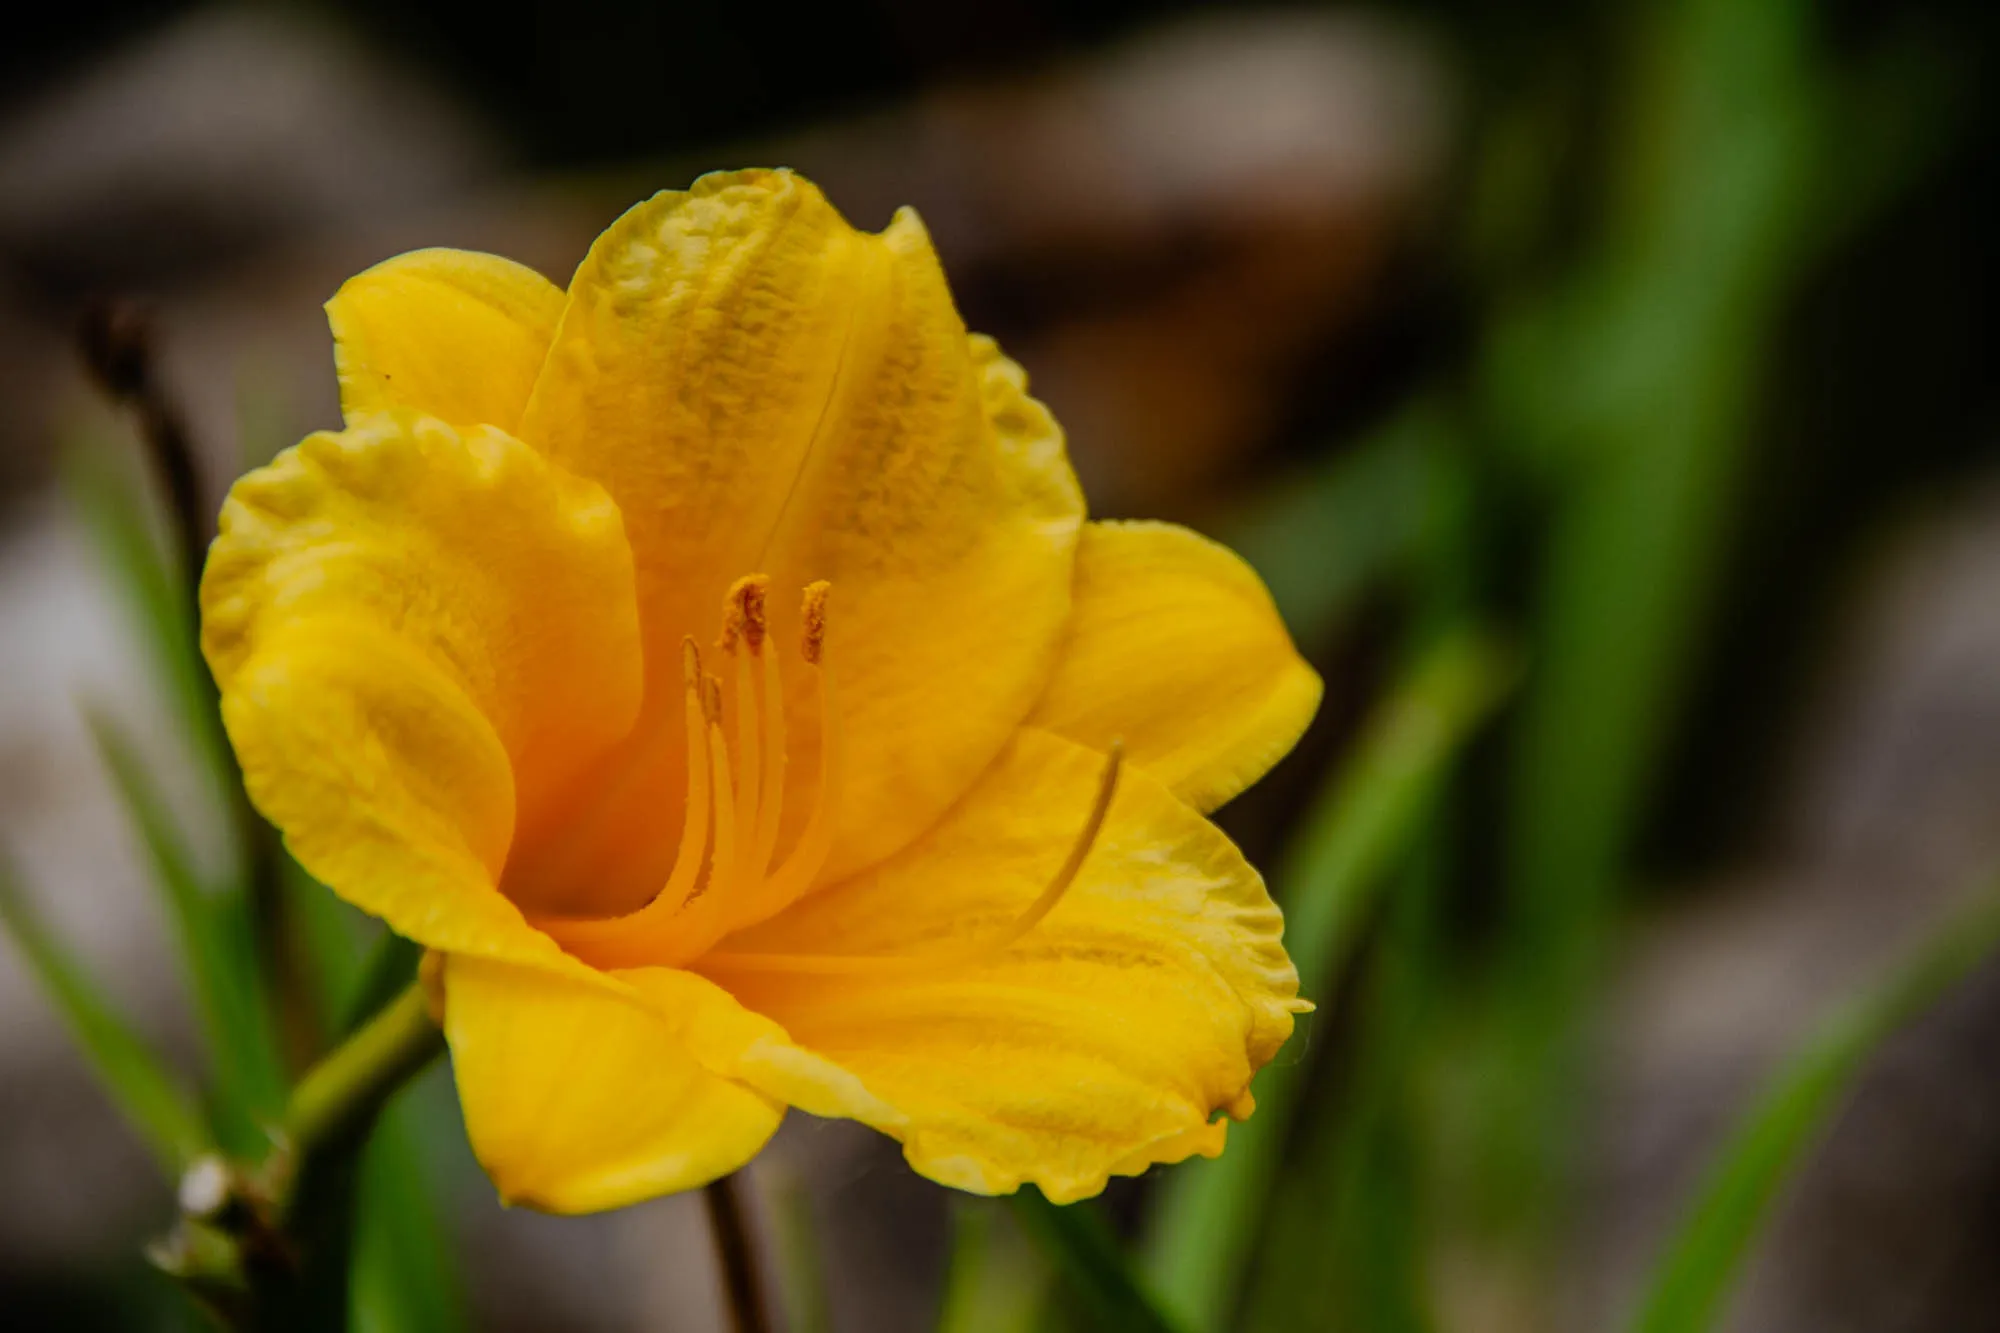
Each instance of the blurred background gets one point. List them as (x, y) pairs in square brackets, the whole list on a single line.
[(1606, 391)]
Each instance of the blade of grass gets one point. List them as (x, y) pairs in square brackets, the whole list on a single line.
[(402, 1276), (157, 576), (150, 1097), (216, 949), (118, 514), (1713, 1242), (1092, 1262), (1321, 541), (1344, 1231), (1631, 389), (389, 967), (800, 1260), (1206, 1224), (994, 1282)]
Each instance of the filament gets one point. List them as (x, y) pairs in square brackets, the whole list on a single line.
[(733, 814), (743, 628), (808, 857), (772, 808)]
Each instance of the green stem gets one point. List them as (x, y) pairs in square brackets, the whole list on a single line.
[(341, 1094), (265, 1245)]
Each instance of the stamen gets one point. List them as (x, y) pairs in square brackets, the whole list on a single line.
[(694, 823), (1032, 916), (731, 823), (813, 612), (743, 612), (771, 812), (723, 863), (743, 620), (809, 855)]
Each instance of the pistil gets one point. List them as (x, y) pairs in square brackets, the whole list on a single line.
[(966, 955)]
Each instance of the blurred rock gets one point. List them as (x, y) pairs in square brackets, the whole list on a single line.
[(232, 128), (224, 135), (1891, 1226)]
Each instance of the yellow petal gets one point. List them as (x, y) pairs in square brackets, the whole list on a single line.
[(452, 333), (1109, 1038), (1175, 648), (763, 388), (579, 1098), (389, 785), (419, 635)]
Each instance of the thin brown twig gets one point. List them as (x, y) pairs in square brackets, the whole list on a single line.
[(116, 339), (736, 1251)]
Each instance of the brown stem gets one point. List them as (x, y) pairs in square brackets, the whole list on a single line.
[(120, 352), (742, 1285), (116, 339)]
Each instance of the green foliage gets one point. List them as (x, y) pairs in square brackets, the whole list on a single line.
[(1324, 540), (263, 949), (218, 955), (104, 484), (1687, 1291), (141, 1087), (1092, 1263), (1207, 1222), (405, 1277), (995, 1282)]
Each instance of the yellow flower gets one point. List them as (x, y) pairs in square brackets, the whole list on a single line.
[(714, 665)]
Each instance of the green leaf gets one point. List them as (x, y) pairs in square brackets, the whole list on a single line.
[(1704, 1256), (1321, 540), (216, 949), (150, 1097), (1205, 1228), (1343, 1240), (1092, 1263), (403, 1279), (120, 517), (386, 973), (1633, 390), (994, 1282)]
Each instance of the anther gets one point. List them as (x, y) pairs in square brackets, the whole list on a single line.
[(723, 877), (743, 613), (813, 646)]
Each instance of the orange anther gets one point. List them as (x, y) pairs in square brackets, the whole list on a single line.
[(813, 645), (743, 612)]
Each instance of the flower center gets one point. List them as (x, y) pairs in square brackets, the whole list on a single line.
[(723, 876)]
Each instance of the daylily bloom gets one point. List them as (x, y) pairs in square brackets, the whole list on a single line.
[(713, 665)]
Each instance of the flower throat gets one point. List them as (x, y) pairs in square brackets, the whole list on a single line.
[(723, 878)]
